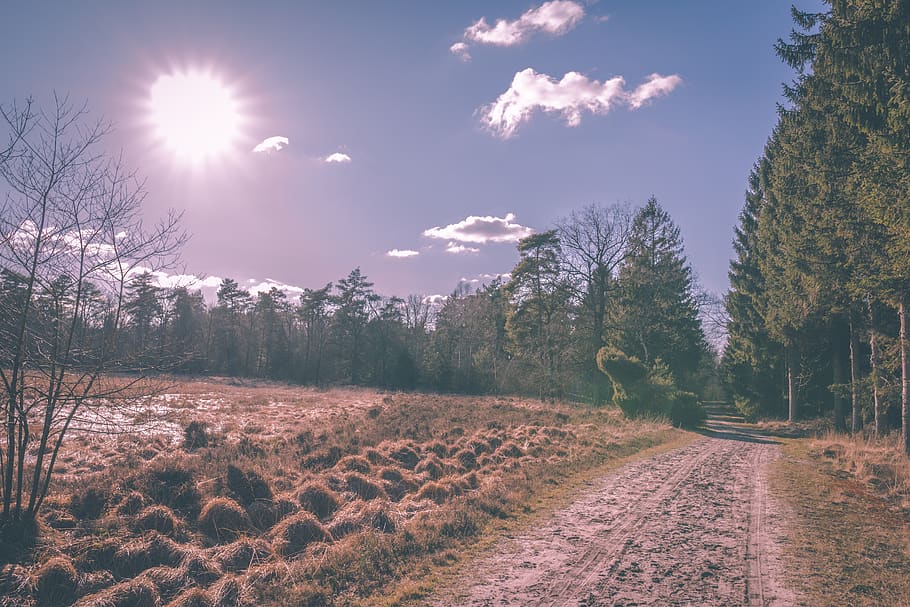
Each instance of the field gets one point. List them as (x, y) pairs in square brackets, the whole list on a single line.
[(258, 494)]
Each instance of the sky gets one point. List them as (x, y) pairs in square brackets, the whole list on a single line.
[(416, 140)]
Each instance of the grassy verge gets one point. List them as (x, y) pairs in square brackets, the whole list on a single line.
[(849, 544)]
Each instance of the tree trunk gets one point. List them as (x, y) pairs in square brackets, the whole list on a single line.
[(791, 388), (905, 380), (879, 416), (837, 377), (856, 420)]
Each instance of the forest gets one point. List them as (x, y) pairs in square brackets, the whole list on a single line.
[(819, 288)]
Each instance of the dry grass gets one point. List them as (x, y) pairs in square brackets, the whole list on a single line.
[(850, 541), (282, 495), (877, 462)]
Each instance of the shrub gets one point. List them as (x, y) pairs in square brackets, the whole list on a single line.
[(318, 499), (56, 582), (157, 518), (223, 519), (294, 534), (247, 486), (195, 435)]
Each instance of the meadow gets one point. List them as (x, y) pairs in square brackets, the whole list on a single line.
[(256, 493)]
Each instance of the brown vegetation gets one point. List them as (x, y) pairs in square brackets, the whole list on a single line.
[(297, 495)]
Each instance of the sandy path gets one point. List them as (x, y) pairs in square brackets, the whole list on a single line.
[(693, 526)]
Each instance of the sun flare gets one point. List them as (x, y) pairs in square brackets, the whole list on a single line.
[(195, 115)]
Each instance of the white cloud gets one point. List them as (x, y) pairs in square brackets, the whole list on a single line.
[(338, 157), (482, 229), (271, 144), (571, 96), (269, 283), (461, 49), (460, 248), (655, 86), (435, 299), (556, 17), (402, 253)]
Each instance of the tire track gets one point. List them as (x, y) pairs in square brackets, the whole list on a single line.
[(687, 527)]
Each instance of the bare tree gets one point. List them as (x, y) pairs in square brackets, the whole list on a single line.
[(71, 237), (594, 243)]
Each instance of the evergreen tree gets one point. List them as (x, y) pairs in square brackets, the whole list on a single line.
[(657, 318)]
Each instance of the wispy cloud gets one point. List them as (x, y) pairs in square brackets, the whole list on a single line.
[(402, 253), (571, 96), (271, 144), (481, 229), (338, 157), (460, 248), (264, 286), (462, 50), (655, 86), (555, 18)]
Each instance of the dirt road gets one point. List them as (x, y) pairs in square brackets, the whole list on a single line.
[(693, 526)]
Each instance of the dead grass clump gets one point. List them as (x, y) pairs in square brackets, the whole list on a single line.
[(131, 504), (375, 457), (265, 514), (876, 461), (243, 554), (226, 593), (267, 574), (223, 519), (431, 466), (170, 482), (56, 582), (294, 534), (470, 481), (363, 487), (192, 597), (197, 566), (88, 503), (355, 463), (15, 581), (437, 491), (247, 486), (396, 483), (318, 499), (99, 555), (438, 447), (169, 581), (405, 455), (151, 550), (131, 593), (467, 459), (478, 446), (90, 583), (510, 449), (361, 516), (322, 459), (157, 518)]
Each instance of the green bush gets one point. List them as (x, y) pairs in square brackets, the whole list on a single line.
[(686, 411)]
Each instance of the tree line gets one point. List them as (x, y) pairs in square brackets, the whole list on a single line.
[(603, 276), (820, 285)]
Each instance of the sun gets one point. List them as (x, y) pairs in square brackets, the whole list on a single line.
[(195, 115)]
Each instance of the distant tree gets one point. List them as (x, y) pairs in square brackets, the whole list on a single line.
[(593, 244), (354, 303), (538, 323), (314, 317)]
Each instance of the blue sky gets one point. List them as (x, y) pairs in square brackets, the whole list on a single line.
[(378, 83)]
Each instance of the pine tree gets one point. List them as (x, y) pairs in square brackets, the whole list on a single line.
[(657, 319)]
